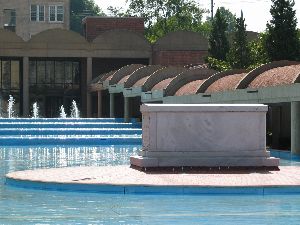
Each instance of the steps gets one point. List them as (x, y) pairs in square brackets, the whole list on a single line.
[(55, 131)]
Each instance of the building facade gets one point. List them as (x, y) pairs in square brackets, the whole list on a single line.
[(29, 17), (95, 25)]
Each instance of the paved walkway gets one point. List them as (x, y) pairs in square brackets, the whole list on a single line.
[(126, 176)]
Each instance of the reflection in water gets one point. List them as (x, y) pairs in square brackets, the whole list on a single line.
[(26, 206), (51, 157)]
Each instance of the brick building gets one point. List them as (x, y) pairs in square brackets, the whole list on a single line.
[(29, 17), (55, 66), (176, 48), (94, 25), (179, 49)]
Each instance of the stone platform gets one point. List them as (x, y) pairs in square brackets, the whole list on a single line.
[(204, 135), (126, 180)]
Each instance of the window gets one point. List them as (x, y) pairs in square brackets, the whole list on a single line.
[(41, 13), (15, 75), (57, 73), (37, 12), (52, 12), (56, 13), (9, 74), (6, 72), (60, 13), (9, 17)]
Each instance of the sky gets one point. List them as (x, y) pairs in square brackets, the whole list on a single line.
[(256, 12)]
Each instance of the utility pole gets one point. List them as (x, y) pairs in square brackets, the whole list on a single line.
[(212, 9)]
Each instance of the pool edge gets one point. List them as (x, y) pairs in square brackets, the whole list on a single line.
[(153, 189)]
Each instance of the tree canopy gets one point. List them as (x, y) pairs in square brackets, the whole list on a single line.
[(81, 9), (239, 54), (164, 16), (258, 53), (218, 41), (230, 19), (282, 41)]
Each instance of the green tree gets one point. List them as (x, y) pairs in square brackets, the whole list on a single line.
[(230, 18), (163, 16), (258, 52), (282, 42), (218, 41), (239, 54), (81, 9), (218, 65)]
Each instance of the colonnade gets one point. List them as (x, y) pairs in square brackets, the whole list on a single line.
[(295, 105)]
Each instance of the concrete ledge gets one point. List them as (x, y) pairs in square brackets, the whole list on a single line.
[(204, 161), (125, 180), (204, 108), (193, 154)]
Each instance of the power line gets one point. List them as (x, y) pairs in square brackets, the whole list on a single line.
[(212, 9), (245, 1), (231, 3)]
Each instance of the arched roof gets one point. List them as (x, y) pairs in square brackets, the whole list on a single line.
[(124, 79), (181, 40), (227, 83), (141, 81), (277, 76), (123, 72), (59, 38), (11, 44), (187, 77), (7, 36), (140, 74), (160, 75), (102, 77), (222, 81), (121, 40), (162, 84), (190, 88), (245, 82), (98, 78)]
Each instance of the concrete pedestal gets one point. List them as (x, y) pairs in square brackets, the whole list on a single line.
[(204, 136)]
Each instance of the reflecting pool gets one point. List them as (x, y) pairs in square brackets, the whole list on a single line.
[(25, 206)]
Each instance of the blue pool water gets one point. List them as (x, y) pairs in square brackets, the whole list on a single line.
[(50, 131), (25, 206)]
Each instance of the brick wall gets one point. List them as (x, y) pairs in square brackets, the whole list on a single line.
[(93, 26), (179, 58)]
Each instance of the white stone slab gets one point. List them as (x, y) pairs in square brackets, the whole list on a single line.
[(204, 107), (196, 134)]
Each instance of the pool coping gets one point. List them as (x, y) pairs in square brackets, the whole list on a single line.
[(151, 189), (131, 188)]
